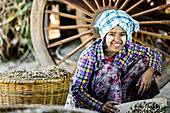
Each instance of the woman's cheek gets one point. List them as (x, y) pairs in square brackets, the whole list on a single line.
[(124, 39), (109, 40)]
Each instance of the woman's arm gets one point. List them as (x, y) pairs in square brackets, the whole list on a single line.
[(80, 84), (155, 57), (155, 66), (145, 81)]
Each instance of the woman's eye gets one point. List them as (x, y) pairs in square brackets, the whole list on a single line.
[(122, 34), (112, 34)]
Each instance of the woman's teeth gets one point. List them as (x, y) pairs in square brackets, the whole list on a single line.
[(117, 45)]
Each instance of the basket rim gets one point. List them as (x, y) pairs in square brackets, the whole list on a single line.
[(32, 80)]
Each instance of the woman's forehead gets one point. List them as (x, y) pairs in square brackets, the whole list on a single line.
[(117, 29)]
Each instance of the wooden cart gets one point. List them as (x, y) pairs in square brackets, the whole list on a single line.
[(153, 16)]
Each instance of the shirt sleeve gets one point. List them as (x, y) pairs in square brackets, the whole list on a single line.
[(80, 84), (155, 57)]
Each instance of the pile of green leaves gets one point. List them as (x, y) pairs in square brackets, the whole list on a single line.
[(15, 38)]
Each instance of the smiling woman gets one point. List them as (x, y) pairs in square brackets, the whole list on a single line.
[(114, 70)]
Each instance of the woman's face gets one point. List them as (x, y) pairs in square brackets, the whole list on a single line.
[(116, 39)]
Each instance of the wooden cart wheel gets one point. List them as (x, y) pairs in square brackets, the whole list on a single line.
[(154, 24)]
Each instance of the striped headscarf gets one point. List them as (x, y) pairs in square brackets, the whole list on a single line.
[(111, 18)]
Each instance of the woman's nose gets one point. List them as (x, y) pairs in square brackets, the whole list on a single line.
[(117, 38)]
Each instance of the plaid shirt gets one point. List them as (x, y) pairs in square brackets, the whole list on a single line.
[(93, 59)]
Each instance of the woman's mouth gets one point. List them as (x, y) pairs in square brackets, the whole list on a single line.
[(116, 45)]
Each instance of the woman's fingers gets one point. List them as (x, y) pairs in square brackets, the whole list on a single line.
[(109, 107), (139, 81), (141, 87), (144, 89), (109, 110)]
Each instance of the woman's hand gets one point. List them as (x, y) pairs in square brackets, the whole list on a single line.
[(145, 81), (109, 107)]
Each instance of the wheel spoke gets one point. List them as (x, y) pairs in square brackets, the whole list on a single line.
[(155, 34), (135, 5), (124, 4), (68, 15), (151, 10), (67, 27), (90, 5), (77, 7), (97, 3), (104, 4), (117, 4), (151, 40), (75, 50), (69, 39), (142, 36), (145, 44), (110, 2), (165, 44), (155, 22)]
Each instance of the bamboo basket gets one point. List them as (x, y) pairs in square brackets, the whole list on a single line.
[(34, 91)]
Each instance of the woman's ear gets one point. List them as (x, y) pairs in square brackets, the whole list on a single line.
[(104, 43), (96, 30)]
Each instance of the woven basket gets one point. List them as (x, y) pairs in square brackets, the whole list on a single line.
[(34, 91)]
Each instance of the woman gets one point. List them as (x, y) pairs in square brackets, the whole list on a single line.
[(113, 69)]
